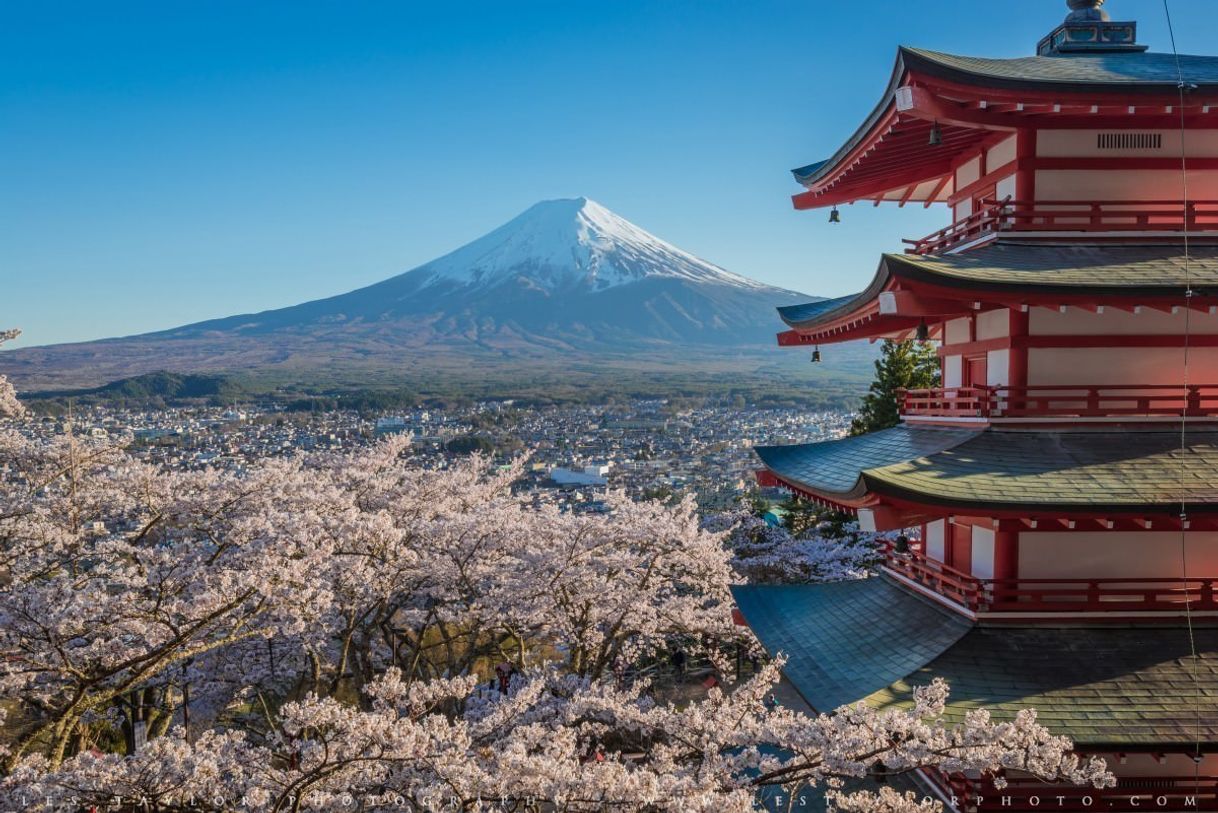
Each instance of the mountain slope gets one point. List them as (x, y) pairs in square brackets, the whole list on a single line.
[(565, 282)]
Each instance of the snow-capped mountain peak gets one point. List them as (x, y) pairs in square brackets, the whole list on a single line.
[(573, 243)]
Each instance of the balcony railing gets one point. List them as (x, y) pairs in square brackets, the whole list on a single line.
[(1062, 402), (1061, 216), (1116, 595)]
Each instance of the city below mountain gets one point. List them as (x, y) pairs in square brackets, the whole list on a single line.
[(567, 285)]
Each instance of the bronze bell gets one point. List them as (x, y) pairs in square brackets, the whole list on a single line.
[(936, 135), (816, 356), (901, 545), (835, 216), (923, 333)]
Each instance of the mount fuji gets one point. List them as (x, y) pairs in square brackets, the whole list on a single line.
[(565, 282)]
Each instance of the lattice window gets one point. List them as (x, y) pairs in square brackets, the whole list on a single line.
[(1129, 141)]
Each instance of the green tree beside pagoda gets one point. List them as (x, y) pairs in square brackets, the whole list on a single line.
[(906, 365)]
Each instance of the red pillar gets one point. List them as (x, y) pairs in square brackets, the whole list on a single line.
[(1025, 176), (1017, 372), (960, 549), (1006, 554)]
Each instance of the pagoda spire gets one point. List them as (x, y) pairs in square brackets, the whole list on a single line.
[(1089, 29), (1086, 11)]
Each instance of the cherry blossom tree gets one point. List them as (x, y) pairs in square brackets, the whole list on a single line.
[(580, 745), (318, 628), (771, 554), (10, 407)]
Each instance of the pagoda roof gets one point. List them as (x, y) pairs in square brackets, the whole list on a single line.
[(1100, 686), (1016, 272), (1009, 470), (976, 100), (833, 468), (1127, 71), (1123, 269), (846, 640)]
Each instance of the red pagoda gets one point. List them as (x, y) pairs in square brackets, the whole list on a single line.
[(1064, 477)]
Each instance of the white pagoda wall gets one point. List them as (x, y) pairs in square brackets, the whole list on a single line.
[(1118, 364), (1078, 322), (1134, 184), (936, 542), (1114, 554), (989, 325)]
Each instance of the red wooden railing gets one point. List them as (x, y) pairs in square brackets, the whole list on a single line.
[(1117, 595), (985, 220), (961, 588), (1071, 216), (1051, 401)]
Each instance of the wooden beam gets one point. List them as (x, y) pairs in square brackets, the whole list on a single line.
[(1118, 163), (918, 102), (887, 518), (938, 190), (908, 303)]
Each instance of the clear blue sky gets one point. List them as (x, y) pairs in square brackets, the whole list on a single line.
[(166, 162)]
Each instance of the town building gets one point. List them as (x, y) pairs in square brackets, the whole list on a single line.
[(1063, 480)]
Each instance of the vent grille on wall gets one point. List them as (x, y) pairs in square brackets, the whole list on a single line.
[(1129, 141)]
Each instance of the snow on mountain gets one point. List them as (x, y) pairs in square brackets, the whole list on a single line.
[(566, 282), (574, 242)]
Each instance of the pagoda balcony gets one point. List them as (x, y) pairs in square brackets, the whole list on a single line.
[(1065, 218), (1060, 403), (1041, 596)]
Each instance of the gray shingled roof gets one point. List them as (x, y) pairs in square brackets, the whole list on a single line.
[(1098, 469), (846, 640), (796, 314), (1016, 266), (1128, 72), (1129, 686), (1124, 68), (833, 467), (872, 640), (1110, 268)]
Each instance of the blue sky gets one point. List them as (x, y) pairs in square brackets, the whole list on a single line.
[(166, 162)]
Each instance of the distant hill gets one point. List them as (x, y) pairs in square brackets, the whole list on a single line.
[(566, 291), (152, 387)]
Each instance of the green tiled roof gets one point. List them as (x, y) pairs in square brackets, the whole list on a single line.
[(1098, 686), (833, 467), (1110, 268), (873, 640), (1124, 69), (1127, 72), (1022, 267), (847, 639), (1101, 469), (997, 468)]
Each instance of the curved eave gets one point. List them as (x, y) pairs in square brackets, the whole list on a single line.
[(842, 317), (846, 503), (884, 491), (833, 471), (940, 287), (1013, 473), (849, 639), (1058, 272), (887, 158), (945, 66), (809, 176)]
